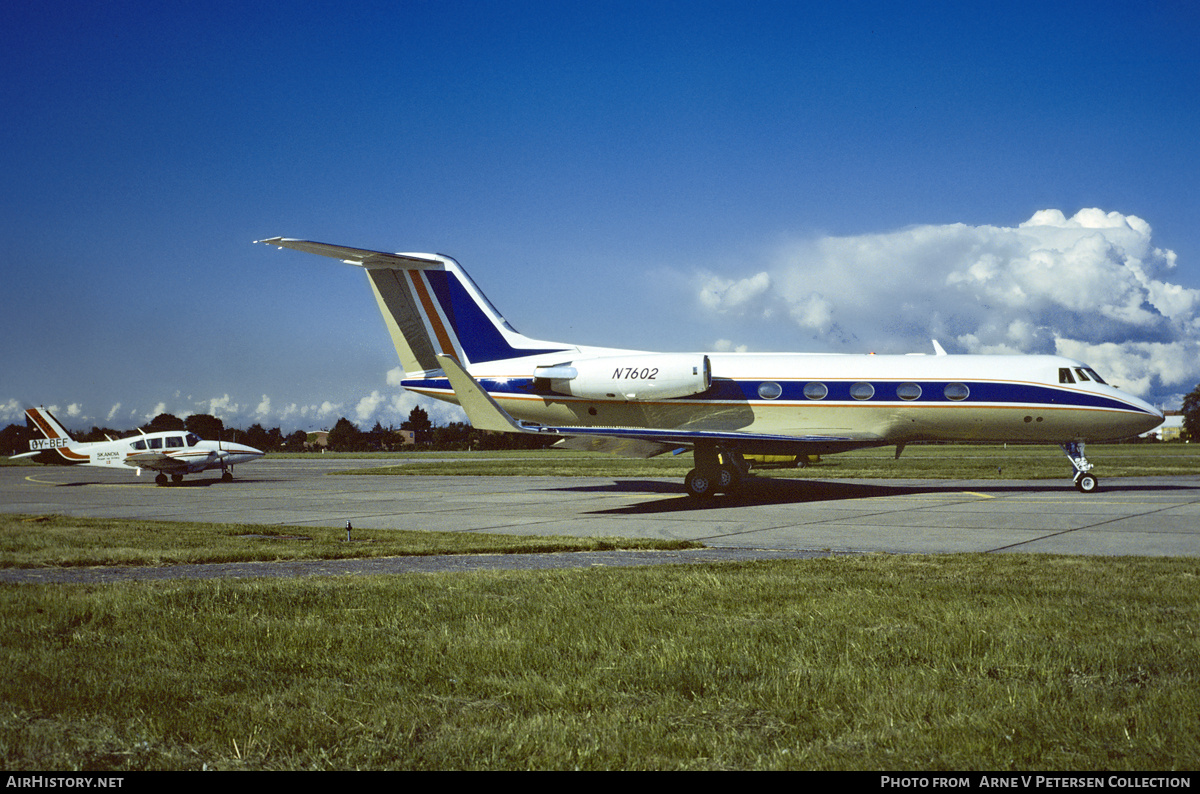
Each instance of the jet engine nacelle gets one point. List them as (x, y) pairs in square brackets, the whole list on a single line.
[(652, 376)]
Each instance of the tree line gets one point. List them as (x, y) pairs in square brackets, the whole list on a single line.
[(345, 436)]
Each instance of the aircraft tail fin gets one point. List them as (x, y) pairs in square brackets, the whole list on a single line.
[(431, 308), (47, 424), (56, 439)]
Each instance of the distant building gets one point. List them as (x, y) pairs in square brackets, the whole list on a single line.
[(1171, 429)]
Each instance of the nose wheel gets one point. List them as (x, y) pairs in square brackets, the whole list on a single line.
[(1085, 481)]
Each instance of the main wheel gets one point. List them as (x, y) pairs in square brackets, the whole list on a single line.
[(161, 479), (728, 479), (699, 485), (1087, 483)]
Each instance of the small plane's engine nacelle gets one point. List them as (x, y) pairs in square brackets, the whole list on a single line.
[(650, 376)]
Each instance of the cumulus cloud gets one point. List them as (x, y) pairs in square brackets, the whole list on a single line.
[(367, 406), (11, 411), (1092, 286), (223, 407)]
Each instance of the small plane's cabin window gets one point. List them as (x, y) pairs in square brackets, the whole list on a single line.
[(1065, 376), (139, 444), (815, 391), (155, 443), (769, 390), (956, 391), (175, 441), (862, 391), (192, 439), (908, 391)]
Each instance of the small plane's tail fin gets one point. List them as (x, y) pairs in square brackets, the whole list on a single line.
[(431, 308), (47, 425), (56, 439)]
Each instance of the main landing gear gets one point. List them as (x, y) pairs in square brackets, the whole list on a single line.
[(1085, 481), (717, 471), (161, 479)]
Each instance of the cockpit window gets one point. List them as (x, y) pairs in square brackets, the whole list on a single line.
[(139, 444), (192, 439), (1083, 378), (1095, 377), (1065, 376)]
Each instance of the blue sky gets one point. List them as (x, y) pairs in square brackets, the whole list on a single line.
[(845, 177)]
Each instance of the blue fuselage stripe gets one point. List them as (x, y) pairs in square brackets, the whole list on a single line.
[(746, 391)]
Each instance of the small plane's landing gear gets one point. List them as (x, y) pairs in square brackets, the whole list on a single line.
[(176, 479), (227, 476), (160, 480), (717, 471), (1085, 481)]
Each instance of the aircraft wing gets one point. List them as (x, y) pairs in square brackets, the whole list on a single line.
[(155, 461), (486, 414), (615, 445)]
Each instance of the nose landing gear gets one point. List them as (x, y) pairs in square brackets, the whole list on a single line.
[(1085, 481)]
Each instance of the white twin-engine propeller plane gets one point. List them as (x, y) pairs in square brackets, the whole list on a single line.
[(725, 407), (171, 453)]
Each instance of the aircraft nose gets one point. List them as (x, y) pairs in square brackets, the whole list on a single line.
[(1149, 416), (243, 450)]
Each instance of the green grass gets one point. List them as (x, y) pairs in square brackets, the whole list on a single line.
[(956, 662), (1013, 462), (54, 540)]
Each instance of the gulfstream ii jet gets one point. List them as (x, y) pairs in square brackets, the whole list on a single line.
[(170, 453), (724, 407)]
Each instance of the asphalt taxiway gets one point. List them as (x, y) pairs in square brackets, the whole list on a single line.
[(1147, 516)]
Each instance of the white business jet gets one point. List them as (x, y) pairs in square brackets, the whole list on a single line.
[(724, 407), (171, 453)]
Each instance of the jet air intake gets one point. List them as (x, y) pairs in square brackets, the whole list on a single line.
[(652, 376)]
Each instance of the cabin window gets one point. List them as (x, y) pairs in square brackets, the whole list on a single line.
[(1065, 376), (769, 390), (956, 391), (139, 444), (155, 443), (815, 391), (862, 391), (908, 391), (174, 441)]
